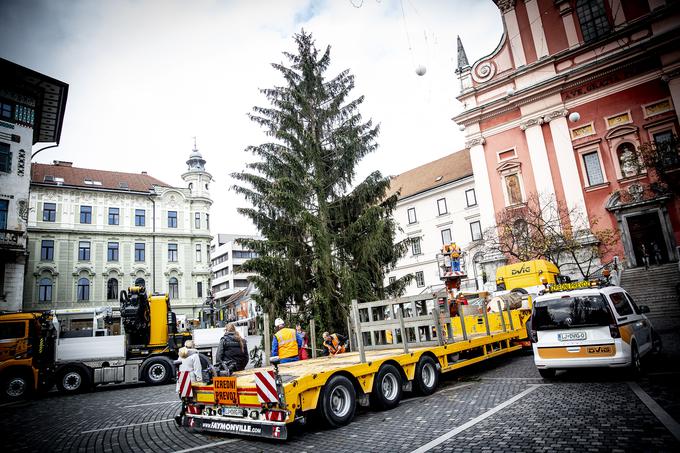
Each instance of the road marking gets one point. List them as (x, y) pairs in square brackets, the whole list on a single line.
[(151, 404), (446, 390), (663, 416), (201, 447), (511, 378), (127, 426), (475, 420)]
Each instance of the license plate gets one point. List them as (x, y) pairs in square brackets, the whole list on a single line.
[(570, 336), (232, 412)]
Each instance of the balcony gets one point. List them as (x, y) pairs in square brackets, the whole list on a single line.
[(12, 240)]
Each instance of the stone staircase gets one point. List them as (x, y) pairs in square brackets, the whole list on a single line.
[(656, 288)]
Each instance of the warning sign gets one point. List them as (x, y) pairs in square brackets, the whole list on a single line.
[(225, 391)]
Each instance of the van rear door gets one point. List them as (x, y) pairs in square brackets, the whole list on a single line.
[(571, 321)]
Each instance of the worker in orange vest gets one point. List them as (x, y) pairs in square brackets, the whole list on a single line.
[(334, 344), (286, 343)]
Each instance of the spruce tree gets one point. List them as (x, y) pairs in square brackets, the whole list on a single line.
[(326, 241)]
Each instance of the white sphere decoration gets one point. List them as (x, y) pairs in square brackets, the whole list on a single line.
[(510, 92), (421, 70), (461, 127), (574, 117)]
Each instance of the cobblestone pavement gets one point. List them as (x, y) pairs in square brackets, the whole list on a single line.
[(589, 410)]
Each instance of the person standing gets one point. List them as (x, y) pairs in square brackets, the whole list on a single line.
[(189, 363), (645, 256), (232, 352), (303, 354), (286, 342)]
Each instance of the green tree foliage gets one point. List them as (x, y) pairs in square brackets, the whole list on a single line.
[(326, 241)]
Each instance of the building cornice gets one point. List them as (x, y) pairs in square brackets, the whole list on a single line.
[(559, 82), (81, 232), (93, 189)]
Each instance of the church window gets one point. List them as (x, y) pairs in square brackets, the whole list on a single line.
[(593, 19)]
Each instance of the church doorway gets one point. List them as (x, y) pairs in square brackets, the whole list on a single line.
[(645, 229)]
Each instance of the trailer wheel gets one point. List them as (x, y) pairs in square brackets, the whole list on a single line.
[(157, 371), (73, 379), (337, 402), (427, 376), (387, 388), (16, 386)]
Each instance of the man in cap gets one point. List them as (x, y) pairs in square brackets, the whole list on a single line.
[(286, 343)]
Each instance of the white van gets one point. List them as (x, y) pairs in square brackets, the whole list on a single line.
[(589, 327)]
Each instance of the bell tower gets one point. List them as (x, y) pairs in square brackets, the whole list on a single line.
[(198, 180)]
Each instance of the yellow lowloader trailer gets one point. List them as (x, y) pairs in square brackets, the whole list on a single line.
[(262, 402)]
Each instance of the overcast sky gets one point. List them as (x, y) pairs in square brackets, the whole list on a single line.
[(146, 76)]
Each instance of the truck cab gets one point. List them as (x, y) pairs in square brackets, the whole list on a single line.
[(528, 277), (26, 353)]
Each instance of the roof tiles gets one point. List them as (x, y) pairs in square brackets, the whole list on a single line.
[(75, 176), (433, 174)]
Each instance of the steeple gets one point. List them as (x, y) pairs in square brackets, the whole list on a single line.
[(462, 57), (196, 161), (198, 180)]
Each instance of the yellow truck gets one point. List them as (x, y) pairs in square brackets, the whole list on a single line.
[(527, 276), (77, 349), (426, 342)]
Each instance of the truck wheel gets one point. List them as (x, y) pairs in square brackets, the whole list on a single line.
[(386, 392), (427, 376), (157, 371), (73, 379), (337, 402), (547, 373), (16, 386)]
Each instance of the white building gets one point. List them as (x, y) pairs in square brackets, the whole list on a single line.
[(437, 204), (227, 259), (31, 111), (94, 233)]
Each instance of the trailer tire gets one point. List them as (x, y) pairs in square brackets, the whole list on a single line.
[(426, 379), (337, 402), (157, 371), (73, 379), (17, 385), (387, 388)]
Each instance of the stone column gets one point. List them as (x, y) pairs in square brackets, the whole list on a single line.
[(674, 88), (617, 12), (507, 7), (571, 183), (567, 13), (538, 155), (487, 210), (537, 32)]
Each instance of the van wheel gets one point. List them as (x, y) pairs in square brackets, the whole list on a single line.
[(16, 386), (157, 371), (657, 346), (73, 379), (635, 362), (427, 376), (338, 401), (387, 388), (547, 373), (519, 290)]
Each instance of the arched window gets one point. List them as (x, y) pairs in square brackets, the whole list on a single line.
[(593, 19), (45, 290), (173, 288), (140, 282), (83, 292), (627, 160), (112, 289)]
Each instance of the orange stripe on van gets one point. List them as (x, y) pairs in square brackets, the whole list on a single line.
[(599, 350)]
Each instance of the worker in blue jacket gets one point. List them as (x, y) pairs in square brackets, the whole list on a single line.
[(286, 343)]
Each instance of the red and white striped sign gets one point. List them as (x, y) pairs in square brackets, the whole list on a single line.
[(454, 274), (275, 416), (265, 384), (185, 384)]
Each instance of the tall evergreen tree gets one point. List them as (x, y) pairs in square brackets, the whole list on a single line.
[(325, 243)]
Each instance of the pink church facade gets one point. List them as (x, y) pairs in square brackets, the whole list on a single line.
[(572, 87)]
